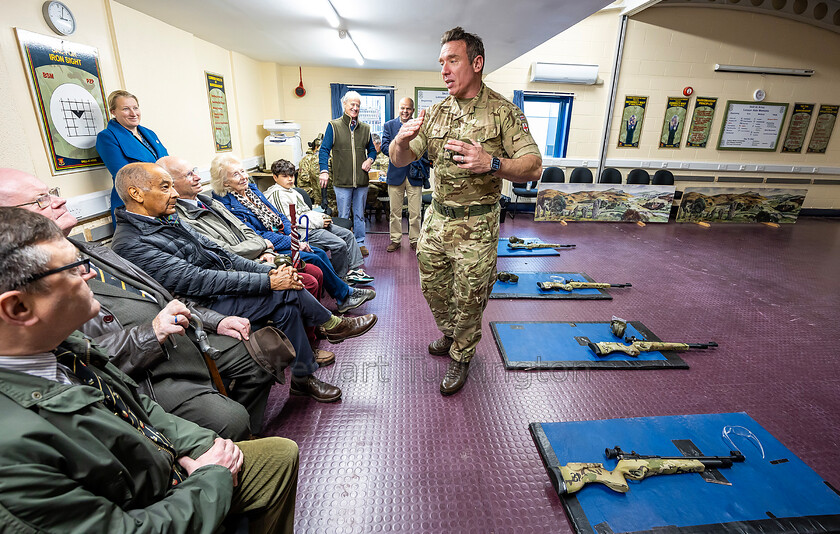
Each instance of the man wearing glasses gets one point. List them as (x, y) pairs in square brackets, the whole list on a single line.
[(74, 425), (142, 327)]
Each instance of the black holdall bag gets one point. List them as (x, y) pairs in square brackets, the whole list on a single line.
[(272, 351)]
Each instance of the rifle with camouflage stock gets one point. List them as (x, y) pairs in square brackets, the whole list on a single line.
[(637, 347), (635, 466), (518, 243), (568, 285)]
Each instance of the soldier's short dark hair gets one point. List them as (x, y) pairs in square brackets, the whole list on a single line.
[(283, 167), (475, 46), (21, 233)]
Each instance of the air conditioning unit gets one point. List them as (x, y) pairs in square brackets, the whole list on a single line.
[(564, 73)]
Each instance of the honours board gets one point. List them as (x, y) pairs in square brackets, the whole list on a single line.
[(752, 125)]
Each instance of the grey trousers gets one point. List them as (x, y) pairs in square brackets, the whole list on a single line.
[(341, 244)]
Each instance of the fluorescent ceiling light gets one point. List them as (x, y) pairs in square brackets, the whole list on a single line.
[(354, 49), (763, 70), (332, 15)]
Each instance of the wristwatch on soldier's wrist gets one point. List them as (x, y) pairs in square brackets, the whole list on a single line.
[(495, 165)]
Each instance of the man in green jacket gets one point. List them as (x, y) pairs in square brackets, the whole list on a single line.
[(349, 142), (74, 426)]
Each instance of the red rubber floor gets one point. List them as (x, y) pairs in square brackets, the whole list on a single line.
[(395, 456)]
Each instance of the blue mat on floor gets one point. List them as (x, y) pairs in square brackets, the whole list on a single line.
[(527, 288), (777, 493), (562, 345), (503, 250)]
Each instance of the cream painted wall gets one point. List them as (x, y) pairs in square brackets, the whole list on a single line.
[(167, 75), (247, 79), (668, 48), (591, 41), (22, 145)]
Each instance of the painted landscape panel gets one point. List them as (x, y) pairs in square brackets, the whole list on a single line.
[(604, 202), (731, 204)]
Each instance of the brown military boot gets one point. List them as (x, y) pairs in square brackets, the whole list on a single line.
[(440, 347), (455, 377)]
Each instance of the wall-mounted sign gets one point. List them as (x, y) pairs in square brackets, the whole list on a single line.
[(426, 97), (826, 117), (701, 122), (218, 111), (631, 121), (69, 99), (798, 127), (752, 126), (672, 127)]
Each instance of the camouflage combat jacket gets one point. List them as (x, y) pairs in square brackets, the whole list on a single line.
[(490, 119), (380, 163)]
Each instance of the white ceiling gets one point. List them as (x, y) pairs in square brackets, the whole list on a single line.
[(391, 34)]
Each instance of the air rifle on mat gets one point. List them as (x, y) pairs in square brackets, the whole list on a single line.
[(637, 347), (518, 243), (568, 285), (635, 466)]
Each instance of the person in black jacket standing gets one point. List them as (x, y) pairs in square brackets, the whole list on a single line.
[(188, 264)]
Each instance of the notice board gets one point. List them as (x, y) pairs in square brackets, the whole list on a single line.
[(752, 125)]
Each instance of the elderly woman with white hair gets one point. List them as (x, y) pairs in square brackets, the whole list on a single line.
[(353, 153), (231, 186)]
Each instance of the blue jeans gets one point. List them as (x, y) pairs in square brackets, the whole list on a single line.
[(355, 197)]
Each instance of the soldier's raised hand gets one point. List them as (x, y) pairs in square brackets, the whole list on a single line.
[(409, 130)]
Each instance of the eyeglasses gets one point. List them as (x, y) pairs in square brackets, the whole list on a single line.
[(192, 172), (242, 173), (82, 267), (44, 201)]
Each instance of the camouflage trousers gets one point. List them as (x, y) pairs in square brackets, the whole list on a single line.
[(457, 260)]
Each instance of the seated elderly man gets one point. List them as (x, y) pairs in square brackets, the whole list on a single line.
[(340, 242), (150, 235), (231, 187), (213, 220), (80, 450), (141, 327)]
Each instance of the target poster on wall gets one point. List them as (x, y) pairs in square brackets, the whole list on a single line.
[(67, 91)]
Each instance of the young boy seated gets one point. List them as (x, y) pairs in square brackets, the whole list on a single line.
[(340, 242)]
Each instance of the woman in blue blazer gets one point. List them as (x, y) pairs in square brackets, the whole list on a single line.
[(124, 141)]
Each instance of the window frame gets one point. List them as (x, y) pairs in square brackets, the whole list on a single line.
[(564, 118)]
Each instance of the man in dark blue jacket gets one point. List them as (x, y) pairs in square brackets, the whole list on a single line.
[(416, 174), (188, 264)]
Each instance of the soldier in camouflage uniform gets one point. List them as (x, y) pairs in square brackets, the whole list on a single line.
[(475, 138), (308, 176), (377, 189)]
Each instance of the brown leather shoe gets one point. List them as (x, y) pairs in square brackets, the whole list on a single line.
[(392, 246), (350, 327), (363, 249), (309, 386), (455, 377), (323, 357), (440, 347)]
